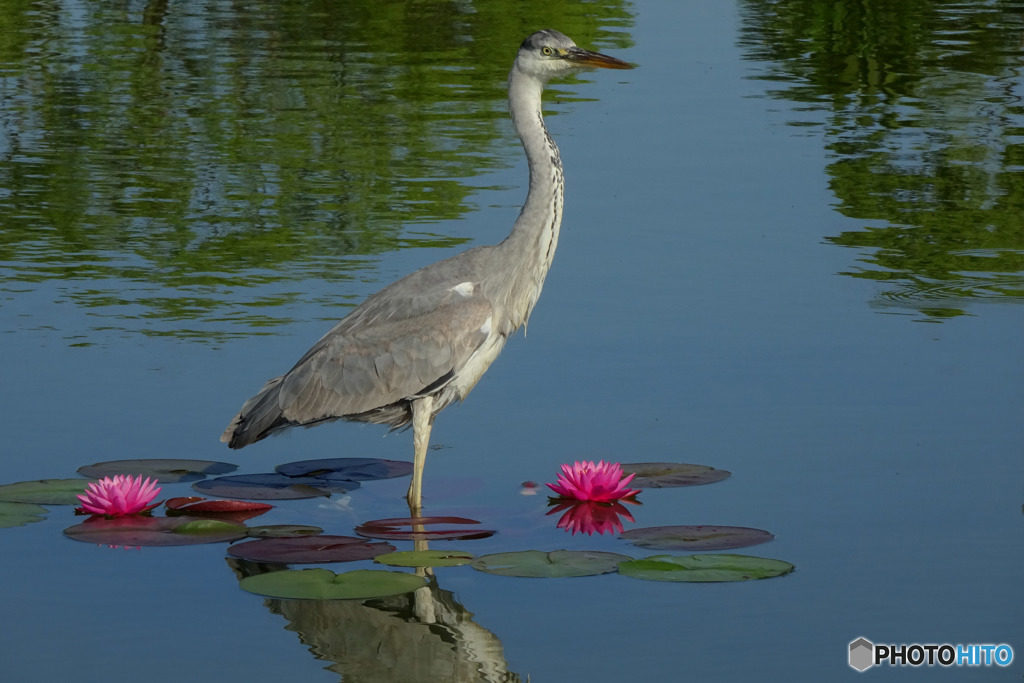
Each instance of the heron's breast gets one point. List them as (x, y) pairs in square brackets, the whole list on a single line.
[(477, 364)]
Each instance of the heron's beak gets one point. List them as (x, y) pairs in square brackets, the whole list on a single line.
[(581, 57)]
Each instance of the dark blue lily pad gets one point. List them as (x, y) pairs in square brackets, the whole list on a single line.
[(272, 486), (352, 469), (166, 470)]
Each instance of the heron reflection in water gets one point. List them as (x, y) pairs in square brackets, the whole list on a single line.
[(421, 343)]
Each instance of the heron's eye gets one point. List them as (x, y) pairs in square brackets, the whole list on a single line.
[(547, 51)]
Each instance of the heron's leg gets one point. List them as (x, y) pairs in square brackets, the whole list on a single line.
[(422, 420)]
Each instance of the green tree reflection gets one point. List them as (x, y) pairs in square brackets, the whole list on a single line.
[(187, 161), (922, 104)]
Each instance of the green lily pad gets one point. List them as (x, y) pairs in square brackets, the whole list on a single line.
[(412, 529), (269, 486), (425, 558), (536, 563), (655, 475), (309, 549), (45, 491), (137, 530), (353, 469), (323, 584), (704, 568), (210, 527), (20, 514), (167, 470), (696, 537)]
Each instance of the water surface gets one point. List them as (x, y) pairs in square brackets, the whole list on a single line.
[(792, 250)]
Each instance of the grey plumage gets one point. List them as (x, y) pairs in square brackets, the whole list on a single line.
[(419, 344)]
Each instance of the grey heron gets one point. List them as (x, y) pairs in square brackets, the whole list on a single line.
[(417, 345)]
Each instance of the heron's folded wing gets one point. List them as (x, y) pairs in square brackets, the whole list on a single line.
[(369, 366)]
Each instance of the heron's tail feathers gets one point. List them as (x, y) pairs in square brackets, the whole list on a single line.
[(260, 417)]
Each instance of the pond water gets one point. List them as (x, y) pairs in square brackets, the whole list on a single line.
[(793, 249)]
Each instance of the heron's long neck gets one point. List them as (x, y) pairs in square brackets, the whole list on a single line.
[(529, 249)]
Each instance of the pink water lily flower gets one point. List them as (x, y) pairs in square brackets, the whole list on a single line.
[(119, 495), (601, 483)]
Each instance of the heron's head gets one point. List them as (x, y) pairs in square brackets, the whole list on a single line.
[(548, 53)]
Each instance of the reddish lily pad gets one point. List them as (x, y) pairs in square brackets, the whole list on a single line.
[(704, 568), (136, 530), (197, 504), (539, 564), (352, 469), (271, 486), (45, 491), (696, 537), (425, 558), (411, 529), (167, 470), (309, 549), (20, 514), (323, 584), (232, 510), (655, 475), (284, 531)]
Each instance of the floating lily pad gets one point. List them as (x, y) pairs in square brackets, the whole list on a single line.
[(231, 510), (353, 469), (136, 530), (411, 529), (655, 475), (271, 486), (45, 491), (696, 537), (20, 514), (323, 584), (210, 527), (425, 558), (195, 504), (704, 568), (309, 549), (278, 479), (167, 470), (284, 531), (536, 563)]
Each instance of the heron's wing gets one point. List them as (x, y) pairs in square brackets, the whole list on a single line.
[(363, 367), (411, 338), (390, 348)]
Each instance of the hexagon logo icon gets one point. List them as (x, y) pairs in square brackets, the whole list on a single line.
[(862, 654)]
